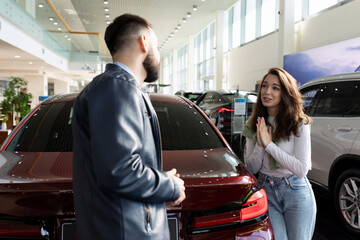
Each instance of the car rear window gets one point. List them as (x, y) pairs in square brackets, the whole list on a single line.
[(184, 128), (49, 129)]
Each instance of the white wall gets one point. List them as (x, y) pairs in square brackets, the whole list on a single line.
[(37, 86), (249, 63), (335, 25), (61, 86)]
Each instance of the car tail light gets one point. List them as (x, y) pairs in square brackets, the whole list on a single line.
[(21, 231), (11, 228), (223, 109), (255, 206)]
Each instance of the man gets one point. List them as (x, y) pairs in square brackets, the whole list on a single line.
[(119, 190)]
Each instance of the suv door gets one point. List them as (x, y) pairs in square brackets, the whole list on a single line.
[(332, 133)]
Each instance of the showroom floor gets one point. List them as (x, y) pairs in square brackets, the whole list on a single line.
[(327, 227)]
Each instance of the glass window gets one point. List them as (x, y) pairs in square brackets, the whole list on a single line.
[(268, 16), (236, 25), (47, 130), (226, 32), (174, 118), (298, 10), (334, 101), (182, 67), (317, 6), (354, 110), (308, 97), (250, 20)]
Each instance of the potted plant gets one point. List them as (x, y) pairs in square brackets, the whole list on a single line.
[(3, 122), (16, 98)]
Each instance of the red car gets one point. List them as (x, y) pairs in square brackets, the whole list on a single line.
[(223, 198)]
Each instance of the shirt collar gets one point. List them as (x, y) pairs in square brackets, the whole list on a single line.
[(123, 66)]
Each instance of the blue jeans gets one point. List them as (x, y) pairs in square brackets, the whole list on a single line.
[(292, 206)]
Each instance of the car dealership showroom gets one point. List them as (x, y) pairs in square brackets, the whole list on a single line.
[(193, 135)]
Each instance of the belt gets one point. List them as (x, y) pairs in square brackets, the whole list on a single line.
[(275, 180)]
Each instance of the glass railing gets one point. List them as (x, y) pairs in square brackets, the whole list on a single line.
[(51, 28)]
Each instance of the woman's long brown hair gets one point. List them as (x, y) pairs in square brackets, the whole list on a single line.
[(290, 112)]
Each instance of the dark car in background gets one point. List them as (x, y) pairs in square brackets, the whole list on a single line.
[(224, 201), (219, 107), (192, 96)]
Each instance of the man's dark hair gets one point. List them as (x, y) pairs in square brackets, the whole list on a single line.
[(122, 30)]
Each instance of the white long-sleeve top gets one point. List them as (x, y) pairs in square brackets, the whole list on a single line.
[(294, 155)]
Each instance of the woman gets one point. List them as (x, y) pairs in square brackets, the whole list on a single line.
[(278, 149)]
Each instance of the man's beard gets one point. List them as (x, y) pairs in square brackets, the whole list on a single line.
[(151, 68)]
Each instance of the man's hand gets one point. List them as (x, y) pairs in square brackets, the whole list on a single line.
[(181, 186)]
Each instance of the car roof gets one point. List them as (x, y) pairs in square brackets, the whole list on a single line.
[(332, 78), (231, 91), (158, 97)]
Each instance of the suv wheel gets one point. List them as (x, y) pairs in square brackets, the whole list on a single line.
[(347, 199)]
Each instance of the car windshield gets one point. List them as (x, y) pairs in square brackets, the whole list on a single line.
[(49, 129)]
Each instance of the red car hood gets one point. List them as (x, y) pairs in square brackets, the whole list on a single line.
[(36, 184), (40, 184)]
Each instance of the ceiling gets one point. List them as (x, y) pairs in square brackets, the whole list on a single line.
[(81, 25)]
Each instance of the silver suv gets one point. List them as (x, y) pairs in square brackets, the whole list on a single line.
[(333, 102)]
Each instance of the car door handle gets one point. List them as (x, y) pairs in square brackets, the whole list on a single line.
[(344, 129)]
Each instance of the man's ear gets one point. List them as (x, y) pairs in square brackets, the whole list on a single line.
[(143, 41)]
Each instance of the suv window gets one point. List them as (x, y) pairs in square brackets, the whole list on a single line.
[(335, 99), (209, 98), (354, 110), (47, 130), (310, 97)]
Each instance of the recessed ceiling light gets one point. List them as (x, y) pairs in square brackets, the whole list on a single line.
[(184, 20), (176, 29), (194, 7), (51, 19), (179, 26), (188, 14), (65, 36), (17, 56), (106, 9), (69, 39), (55, 23), (172, 34), (107, 15), (30, 63), (40, 5), (108, 22), (59, 28), (106, 2)]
